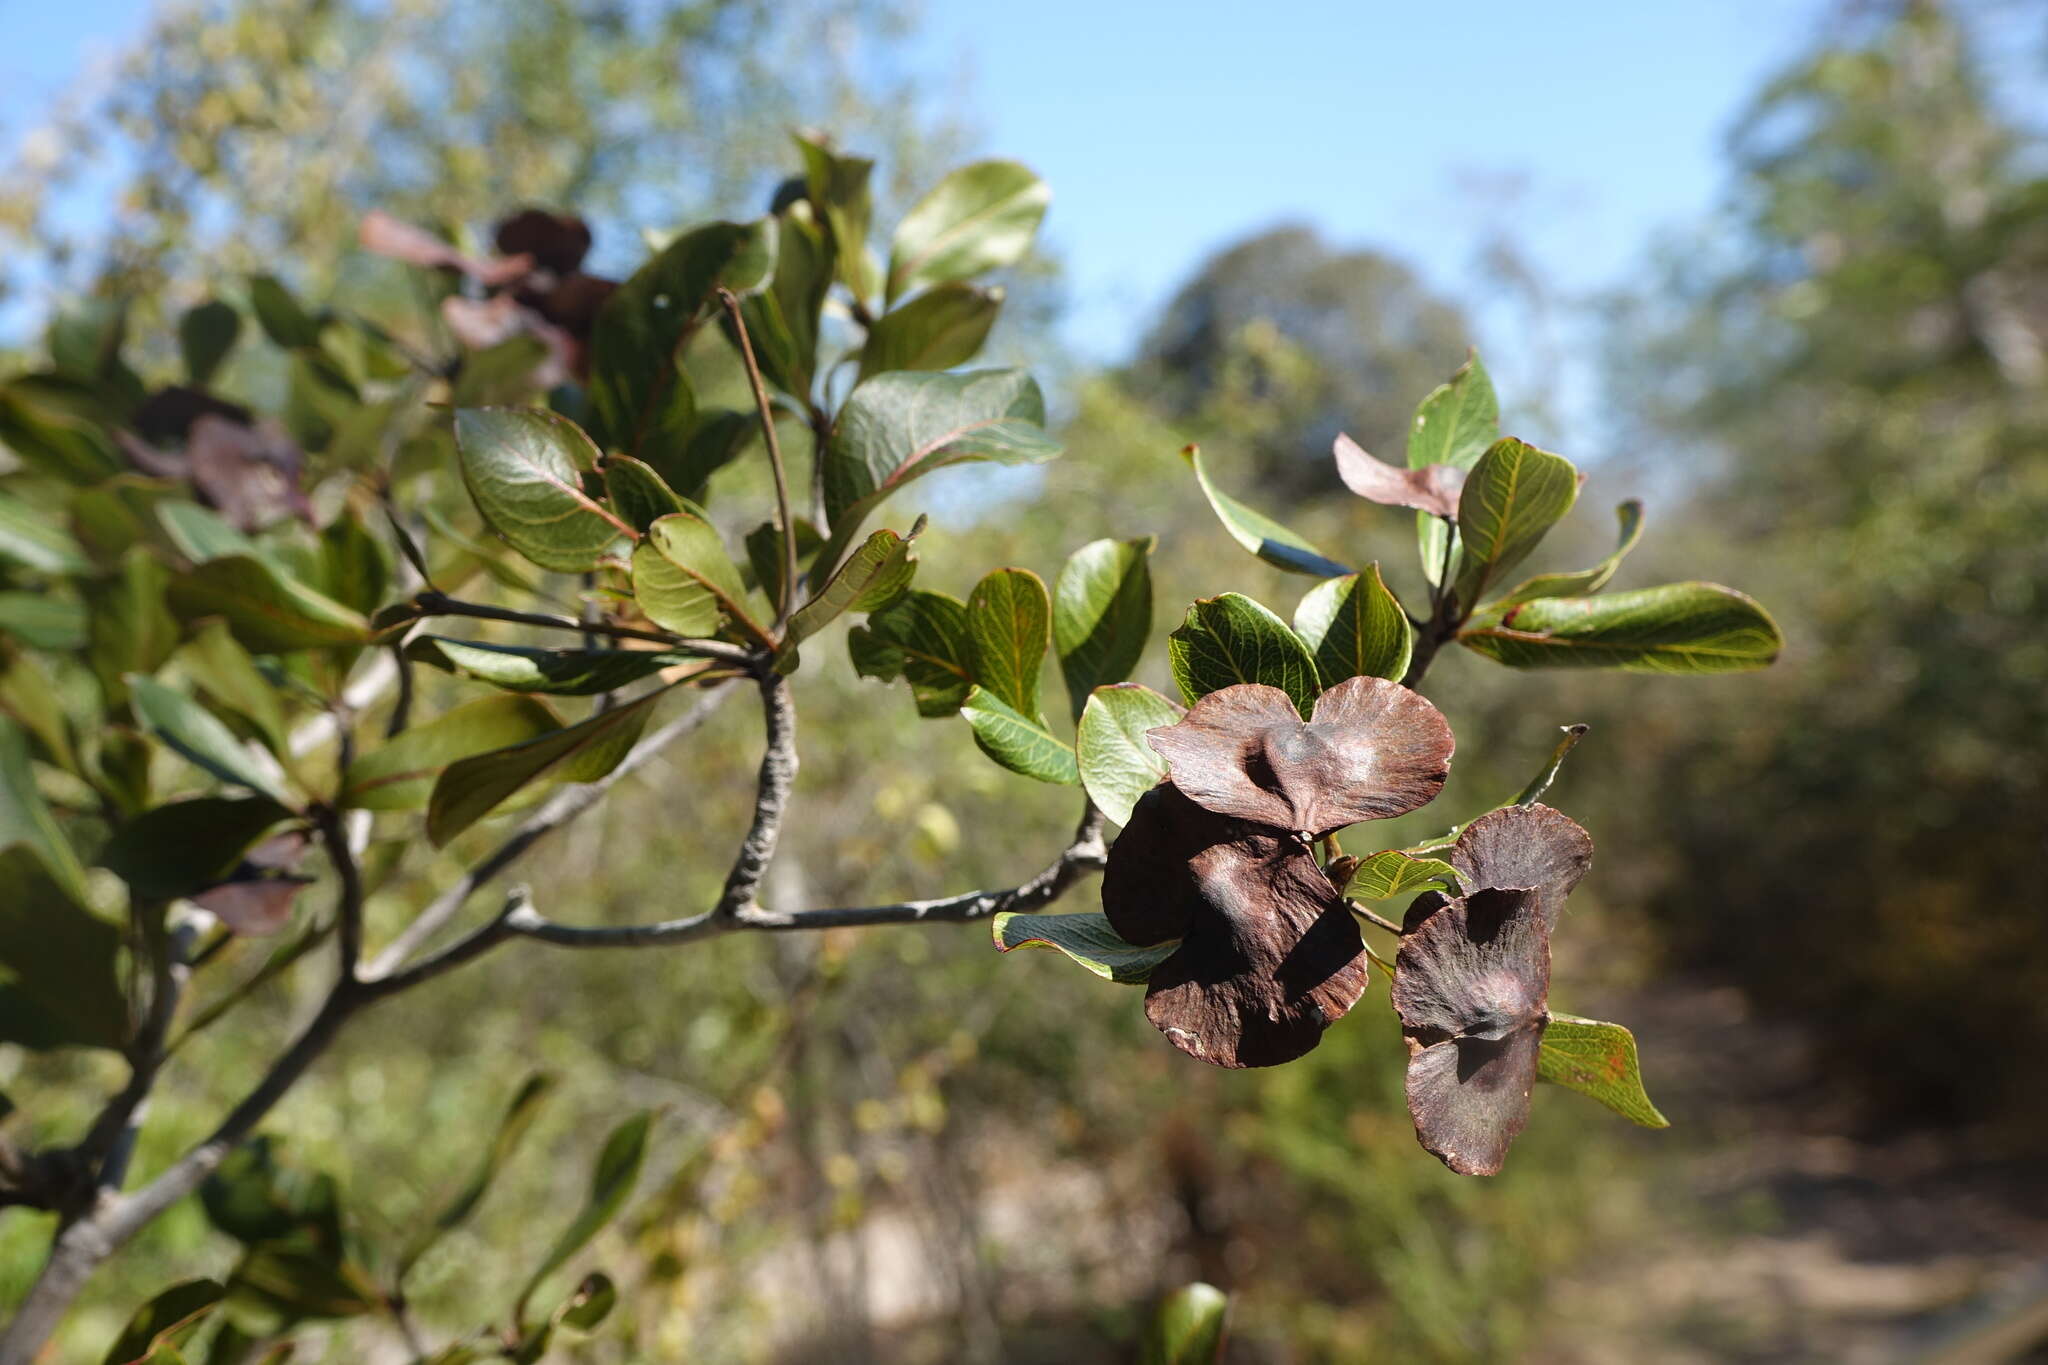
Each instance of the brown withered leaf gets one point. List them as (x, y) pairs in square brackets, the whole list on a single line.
[(1432, 488), (258, 906), (1532, 846), (385, 235), (555, 241), (1371, 749), (1471, 985), (249, 474), (1269, 955), (168, 414)]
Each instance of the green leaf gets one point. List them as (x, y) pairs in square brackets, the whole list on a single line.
[(186, 726), (25, 817), (470, 789), (1190, 1327), (923, 638), (764, 555), (1677, 628), (557, 672), (1382, 876), (1117, 765), (524, 467), (206, 334), (902, 426), (1009, 618), (1260, 534), (638, 494), (48, 440), (519, 1116), (618, 1167), (1599, 1061), (872, 577), (782, 320), (1232, 639), (58, 986), (637, 388), (1453, 425), (980, 217), (165, 1323), (499, 375), (1585, 581), (1514, 495), (685, 581), (941, 328), (266, 611), (1102, 614), (29, 696), (1018, 739), (583, 1310), (1087, 939), (838, 185), (130, 630), (200, 534), (223, 669), (32, 538), (400, 774), (299, 1283), (283, 319), (180, 848), (51, 624), (355, 565), (1355, 627)]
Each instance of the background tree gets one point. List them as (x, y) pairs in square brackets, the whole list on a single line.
[(1280, 341)]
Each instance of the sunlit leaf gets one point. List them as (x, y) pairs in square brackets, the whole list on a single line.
[(1189, 1328), (1231, 639), (1599, 1061), (1259, 533), (1630, 516), (940, 328), (1009, 617), (980, 217), (1102, 614), (186, 726), (1677, 628), (556, 672), (1018, 740), (1087, 939), (524, 467), (1117, 766), (1355, 627)]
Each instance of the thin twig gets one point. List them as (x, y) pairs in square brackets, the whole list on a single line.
[(557, 811), (1085, 854), (767, 411), (348, 908), (1376, 920), (439, 604)]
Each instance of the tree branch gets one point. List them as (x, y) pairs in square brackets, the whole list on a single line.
[(767, 410), (557, 811), (438, 604), (771, 799)]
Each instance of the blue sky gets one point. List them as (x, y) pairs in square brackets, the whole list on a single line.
[(1168, 129)]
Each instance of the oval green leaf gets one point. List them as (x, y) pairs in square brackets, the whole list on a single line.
[(1231, 639), (685, 581), (1102, 614), (400, 774), (1355, 627), (921, 637), (1009, 617), (524, 467), (1117, 765), (1514, 495), (472, 788), (555, 672), (941, 328), (980, 217), (1677, 628), (1019, 740)]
